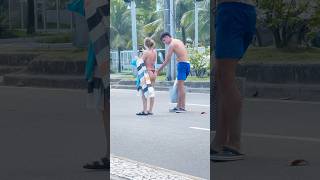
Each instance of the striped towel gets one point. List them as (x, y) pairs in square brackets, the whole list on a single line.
[(143, 80), (97, 15)]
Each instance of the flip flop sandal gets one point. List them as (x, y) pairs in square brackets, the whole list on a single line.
[(150, 113), (99, 165), (142, 113)]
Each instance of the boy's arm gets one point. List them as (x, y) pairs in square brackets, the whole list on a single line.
[(167, 59)]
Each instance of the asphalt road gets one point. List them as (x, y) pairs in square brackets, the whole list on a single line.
[(164, 139), (48, 134)]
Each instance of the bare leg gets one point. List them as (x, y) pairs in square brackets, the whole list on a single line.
[(106, 121), (228, 131), (144, 102), (151, 104), (181, 95)]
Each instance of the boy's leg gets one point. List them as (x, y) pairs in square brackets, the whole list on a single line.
[(181, 95), (229, 105), (106, 122)]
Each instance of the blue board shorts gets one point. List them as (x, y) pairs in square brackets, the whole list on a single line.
[(183, 69), (235, 27)]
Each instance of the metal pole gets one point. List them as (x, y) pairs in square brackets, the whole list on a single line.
[(58, 15), (134, 29), (167, 29), (9, 11), (21, 15), (35, 5), (44, 14), (172, 32), (196, 14)]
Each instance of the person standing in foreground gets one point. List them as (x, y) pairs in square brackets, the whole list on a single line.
[(149, 57), (235, 27), (97, 15), (183, 67)]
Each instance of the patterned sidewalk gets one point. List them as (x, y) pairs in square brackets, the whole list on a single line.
[(125, 169)]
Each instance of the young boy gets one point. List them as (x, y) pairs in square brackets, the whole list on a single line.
[(183, 67)]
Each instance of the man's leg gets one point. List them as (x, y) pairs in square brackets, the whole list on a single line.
[(229, 104), (106, 123), (181, 95)]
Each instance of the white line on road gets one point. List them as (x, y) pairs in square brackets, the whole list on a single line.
[(202, 105), (157, 92), (198, 128), (270, 136)]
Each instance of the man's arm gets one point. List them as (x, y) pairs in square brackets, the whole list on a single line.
[(167, 59)]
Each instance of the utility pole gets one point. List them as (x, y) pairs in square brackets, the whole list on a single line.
[(173, 34), (169, 27), (58, 15), (44, 14), (196, 17), (21, 14), (9, 11), (35, 9), (134, 28)]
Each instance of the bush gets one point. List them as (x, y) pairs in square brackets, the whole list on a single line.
[(200, 62)]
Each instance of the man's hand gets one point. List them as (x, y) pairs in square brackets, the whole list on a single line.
[(157, 72)]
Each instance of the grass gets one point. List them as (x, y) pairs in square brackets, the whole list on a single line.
[(77, 54), (15, 33), (57, 38), (273, 55)]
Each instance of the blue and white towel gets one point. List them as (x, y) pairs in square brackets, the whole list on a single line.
[(143, 80)]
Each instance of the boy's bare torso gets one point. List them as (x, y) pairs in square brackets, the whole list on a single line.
[(180, 50)]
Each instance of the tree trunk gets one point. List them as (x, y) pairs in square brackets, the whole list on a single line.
[(30, 26), (183, 34), (277, 38)]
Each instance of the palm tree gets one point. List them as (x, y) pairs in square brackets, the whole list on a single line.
[(187, 22), (120, 23)]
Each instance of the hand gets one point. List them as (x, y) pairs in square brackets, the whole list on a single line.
[(156, 72), (103, 68), (87, 2)]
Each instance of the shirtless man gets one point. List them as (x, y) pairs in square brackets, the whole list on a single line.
[(183, 67), (149, 57)]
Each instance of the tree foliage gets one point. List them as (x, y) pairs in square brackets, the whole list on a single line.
[(291, 21)]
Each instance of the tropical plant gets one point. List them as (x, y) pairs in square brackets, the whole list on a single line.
[(200, 62)]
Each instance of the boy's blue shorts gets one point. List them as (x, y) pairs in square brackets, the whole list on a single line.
[(183, 69), (235, 26)]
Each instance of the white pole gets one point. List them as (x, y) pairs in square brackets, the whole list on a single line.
[(172, 32), (196, 13), (134, 28)]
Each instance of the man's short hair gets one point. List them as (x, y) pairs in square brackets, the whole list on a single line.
[(164, 34)]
